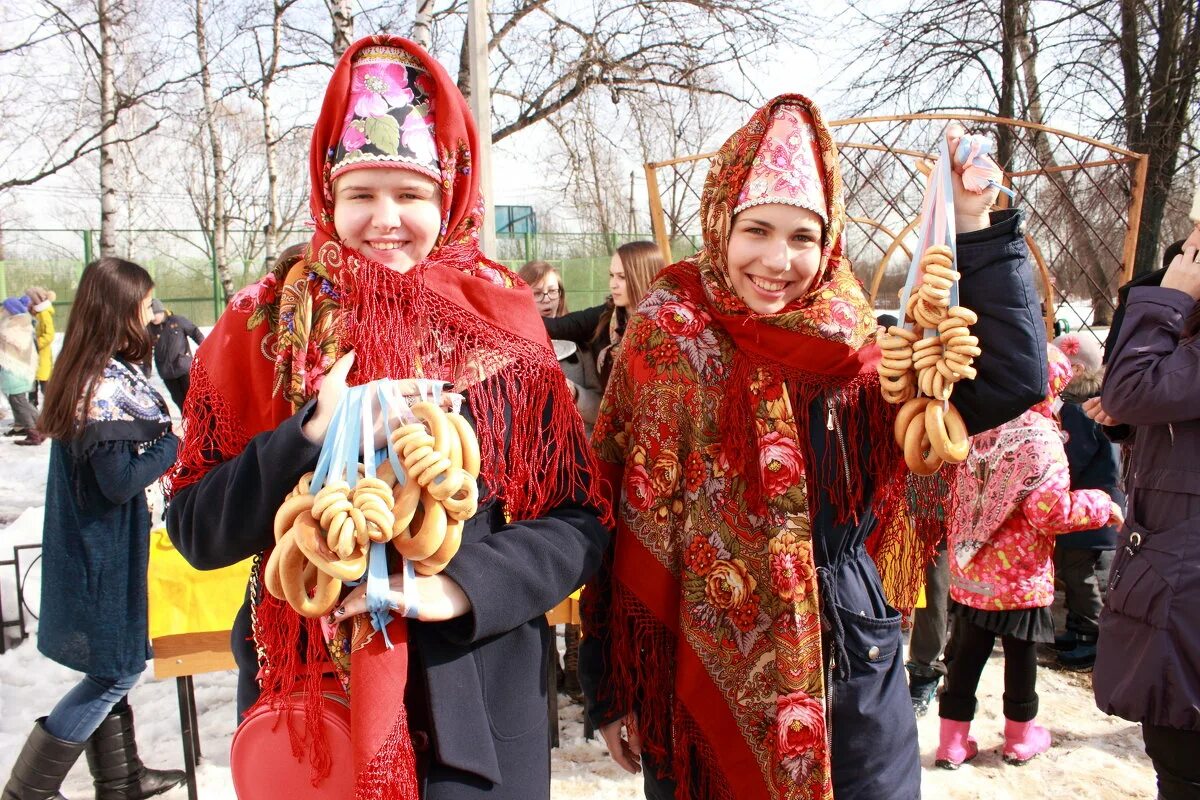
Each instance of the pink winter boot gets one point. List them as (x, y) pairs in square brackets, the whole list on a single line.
[(955, 745), (1024, 740)]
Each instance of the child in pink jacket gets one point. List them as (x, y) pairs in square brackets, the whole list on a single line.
[(1013, 497)]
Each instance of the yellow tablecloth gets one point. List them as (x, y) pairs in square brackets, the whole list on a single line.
[(187, 600)]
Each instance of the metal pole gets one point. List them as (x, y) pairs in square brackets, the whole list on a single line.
[(87, 248), (481, 108), (218, 305)]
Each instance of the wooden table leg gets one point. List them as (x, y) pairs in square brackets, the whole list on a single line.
[(552, 688), (195, 720), (187, 730)]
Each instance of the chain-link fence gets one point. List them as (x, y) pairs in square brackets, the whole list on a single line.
[(185, 271)]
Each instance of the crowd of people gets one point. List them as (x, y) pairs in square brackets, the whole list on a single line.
[(708, 453)]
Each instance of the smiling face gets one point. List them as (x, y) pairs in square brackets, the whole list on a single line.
[(616, 282), (773, 255), (389, 215), (546, 294)]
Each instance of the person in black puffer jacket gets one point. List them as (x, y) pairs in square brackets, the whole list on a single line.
[(1079, 557)]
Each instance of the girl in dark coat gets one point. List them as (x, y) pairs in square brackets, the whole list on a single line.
[(393, 285), (112, 438), (1094, 464), (1148, 663)]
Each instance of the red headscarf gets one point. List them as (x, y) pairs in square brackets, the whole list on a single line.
[(455, 316)]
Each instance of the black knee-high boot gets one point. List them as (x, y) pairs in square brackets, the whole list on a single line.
[(117, 771), (42, 766)]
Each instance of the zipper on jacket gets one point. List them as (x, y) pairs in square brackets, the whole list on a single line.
[(832, 423), (829, 707)]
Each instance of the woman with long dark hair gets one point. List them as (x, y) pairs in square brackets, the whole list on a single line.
[(111, 439), (599, 329)]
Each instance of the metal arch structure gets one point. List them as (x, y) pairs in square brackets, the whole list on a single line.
[(1082, 199)]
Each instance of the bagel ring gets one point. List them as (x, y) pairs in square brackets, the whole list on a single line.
[(326, 590), (470, 444), (908, 412), (968, 316), (915, 441), (287, 513), (463, 508), (947, 432), (407, 497), (438, 422), (307, 533), (901, 332), (897, 382), (431, 531), (438, 561)]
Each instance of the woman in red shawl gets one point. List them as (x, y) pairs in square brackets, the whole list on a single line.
[(393, 285), (739, 632)]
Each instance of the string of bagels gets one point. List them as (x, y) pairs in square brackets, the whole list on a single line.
[(415, 495), (932, 348)]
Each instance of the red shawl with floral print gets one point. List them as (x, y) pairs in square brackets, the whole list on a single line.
[(708, 599), (455, 316)]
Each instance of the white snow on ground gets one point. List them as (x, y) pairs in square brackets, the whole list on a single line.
[(1094, 756)]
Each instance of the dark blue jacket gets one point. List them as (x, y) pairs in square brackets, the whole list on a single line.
[(873, 728), (95, 551), (1094, 464), (477, 684)]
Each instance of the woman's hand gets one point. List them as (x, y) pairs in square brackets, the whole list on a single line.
[(970, 208), (1096, 413), (1184, 272), (333, 386), (625, 750), (438, 598)]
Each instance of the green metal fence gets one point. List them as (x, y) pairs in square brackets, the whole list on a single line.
[(185, 271)]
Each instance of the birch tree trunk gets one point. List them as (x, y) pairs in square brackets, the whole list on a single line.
[(109, 206), (422, 29), (270, 62), (342, 17), (219, 217)]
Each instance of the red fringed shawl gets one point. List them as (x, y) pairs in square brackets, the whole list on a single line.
[(455, 316), (708, 598)]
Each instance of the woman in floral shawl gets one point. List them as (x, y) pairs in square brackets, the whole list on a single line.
[(739, 632)]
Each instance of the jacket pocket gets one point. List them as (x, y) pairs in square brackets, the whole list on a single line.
[(871, 642), (1145, 571), (513, 669)]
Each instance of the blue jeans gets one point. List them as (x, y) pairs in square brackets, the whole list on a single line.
[(81, 710)]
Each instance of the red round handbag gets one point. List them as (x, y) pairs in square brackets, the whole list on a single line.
[(261, 759)]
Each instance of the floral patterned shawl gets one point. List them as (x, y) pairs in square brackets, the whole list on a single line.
[(707, 605)]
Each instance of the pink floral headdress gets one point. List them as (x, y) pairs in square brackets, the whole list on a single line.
[(785, 167), (389, 119), (1080, 349)]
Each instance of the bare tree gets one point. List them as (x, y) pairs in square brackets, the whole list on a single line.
[(1160, 61), (969, 54), (547, 54), (103, 65), (591, 168), (216, 154)]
